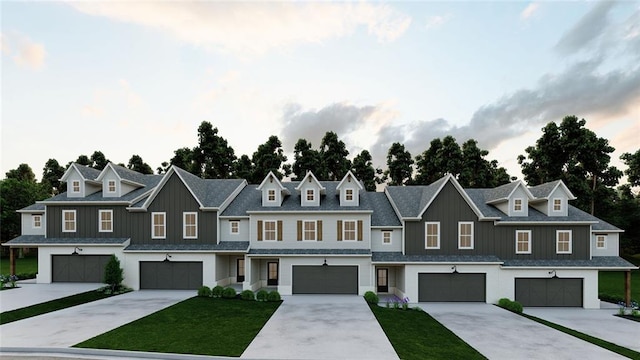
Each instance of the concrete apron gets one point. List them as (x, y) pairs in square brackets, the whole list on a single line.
[(29, 293), (321, 327), (499, 334)]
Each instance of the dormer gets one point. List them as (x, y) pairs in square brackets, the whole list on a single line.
[(310, 190), (81, 181), (273, 191), (512, 199), (118, 181), (349, 190), (552, 198)]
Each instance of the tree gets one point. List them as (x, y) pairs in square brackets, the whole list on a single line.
[(51, 174), (576, 155), (137, 164), (333, 153), (268, 157), (633, 170), (442, 157), (22, 173), (363, 170), (16, 194), (184, 159), (84, 160), (113, 273), (98, 160), (476, 171), (243, 168), (213, 157), (163, 168), (305, 159), (399, 163)]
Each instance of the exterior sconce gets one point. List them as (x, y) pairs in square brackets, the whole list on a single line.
[(75, 251), (555, 276), (166, 258), (325, 263), (455, 269)]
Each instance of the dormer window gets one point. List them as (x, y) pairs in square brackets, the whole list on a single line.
[(111, 186), (557, 204), (75, 186), (517, 205), (37, 221), (348, 195), (311, 195), (271, 195)]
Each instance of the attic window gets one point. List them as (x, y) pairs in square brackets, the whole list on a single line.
[(111, 186), (310, 195), (348, 195), (557, 204), (517, 205), (271, 195), (75, 186)]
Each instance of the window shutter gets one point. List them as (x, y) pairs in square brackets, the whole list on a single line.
[(279, 230), (299, 230), (339, 230), (259, 230), (319, 225), (360, 223)]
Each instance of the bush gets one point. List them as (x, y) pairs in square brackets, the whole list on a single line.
[(273, 296), (229, 293), (512, 306), (216, 292), (247, 295), (113, 273), (204, 291), (371, 297), (262, 295)]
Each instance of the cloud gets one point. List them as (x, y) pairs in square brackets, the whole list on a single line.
[(529, 11), (253, 28), (587, 30), (436, 21), (23, 51)]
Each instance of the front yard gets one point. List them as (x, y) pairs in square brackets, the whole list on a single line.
[(612, 282), (25, 265)]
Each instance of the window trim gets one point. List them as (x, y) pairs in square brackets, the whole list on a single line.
[(184, 225), (528, 232), (275, 230), (75, 183), (558, 241), (311, 192), (604, 241), (234, 222), (515, 204), (387, 232), (64, 221), (100, 212), (164, 225), (109, 182), (315, 230), (471, 241), (271, 192), (344, 230), (553, 205), (426, 235), (348, 193), (33, 221)]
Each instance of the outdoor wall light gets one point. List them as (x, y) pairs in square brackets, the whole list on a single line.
[(325, 262), (455, 269), (555, 276), (75, 251), (166, 258)]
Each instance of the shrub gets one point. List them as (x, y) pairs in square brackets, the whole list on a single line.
[(113, 273), (273, 296), (216, 292), (513, 306), (247, 295), (262, 295), (204, 291), (371, 297), (229, 293)]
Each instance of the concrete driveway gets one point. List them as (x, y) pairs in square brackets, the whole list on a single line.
[(70, 326), (30, 293), (500, 334), (321, 327)]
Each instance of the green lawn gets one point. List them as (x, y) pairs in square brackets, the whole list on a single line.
[(26, 265), (416, 335), (612, 282), (203, 326), (49, 306)]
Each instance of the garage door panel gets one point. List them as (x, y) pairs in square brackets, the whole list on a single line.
[(79, 268), (438, 287), (549, 292), (173, 275), (325, 279)]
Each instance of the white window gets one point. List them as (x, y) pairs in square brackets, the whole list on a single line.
[(271, 195), (75, 186), (523, 241), (517, 204), (310, 195), (158, 225), (309, 230), (563, 241), (234, 227), (601, 241), (557, 204), (68, 221), (465, 235), (432, 235), (349, 230), (386, 237), (270, 230), (36, 221), (348, 195), (106, 220), (111, 186), (190, 225)]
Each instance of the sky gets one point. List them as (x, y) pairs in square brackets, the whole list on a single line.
[(135, 77)]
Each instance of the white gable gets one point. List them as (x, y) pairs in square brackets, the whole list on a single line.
[(349, 190), (272, 191), (310, 190)]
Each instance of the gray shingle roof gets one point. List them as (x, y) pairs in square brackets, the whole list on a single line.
[(240, 246), (33, 208), (150, 181), (128, 174), (383, 214), (543, 191), (501, 192), (596, 261), (87, 172), (389, 256), (40, 239), (309, 252), (210, 192), (404, 197)]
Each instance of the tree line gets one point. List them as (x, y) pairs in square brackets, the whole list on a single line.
[(568, 151)]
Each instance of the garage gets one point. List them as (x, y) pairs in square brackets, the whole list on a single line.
[(165, 275), (437, 287), (78, 268), (325, 279), (549, 292)]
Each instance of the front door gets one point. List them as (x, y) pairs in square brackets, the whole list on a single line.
[(272, 268), (383, 281), (240, 270)]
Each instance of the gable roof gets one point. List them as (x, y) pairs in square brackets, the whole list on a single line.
[(125, 175), (543, 191), (272, 176), (504, 192), (346, 177), (315, 180), (86, 173)]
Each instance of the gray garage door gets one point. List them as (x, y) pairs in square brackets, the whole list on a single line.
[(325, 279), (451, 287), (78, 268), (549, 292), (170, 275)]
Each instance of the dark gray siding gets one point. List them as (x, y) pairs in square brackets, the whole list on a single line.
[(87, 222), (449, 207), (174, 199)]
